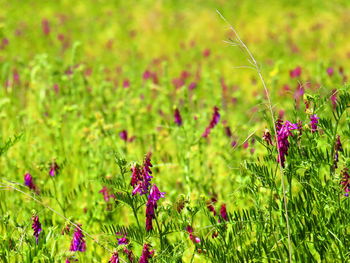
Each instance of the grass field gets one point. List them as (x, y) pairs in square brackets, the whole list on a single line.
[(95, 95)]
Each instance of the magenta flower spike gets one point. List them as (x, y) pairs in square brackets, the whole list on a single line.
[(313, 122), (214, 121), (345, 181), (295, 73), (114, 258), (177, 117), (78, 242), (146, 254), (283, 132), (151, 206), (28, 181), (36, 226), (223, 212)]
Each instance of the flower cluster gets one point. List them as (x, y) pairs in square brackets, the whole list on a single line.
[(223, 212), (114, 258), (214, 121), (106, 195), (313, 122), (54, 169), (146, 254), (151, 206), (345, 181), (283, 132), (177, 117), (194, 238), (141, 176), (36, 226), (28, 181), (78, 242), (338, 147), (267, 137)]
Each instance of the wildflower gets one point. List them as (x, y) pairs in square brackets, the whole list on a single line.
[(223, 212), (210, 204), (129, 254), (54, 169), (267, 137), (192, 86), (114, 258), (214, 121), (206, 52), (283, 132), (345, 181), (330, 71), (45, 26), (78, 242), (295, 73), (151, 205), (146, 254), (140, 178), (106, 195), (178, 83), (338, 147), (28, 181), (123, 135), (314, 121), (334, 98), (36, 226), (228, 131), (126, 83), (194, 238), (123, 240), (147, 75), (177, 117)]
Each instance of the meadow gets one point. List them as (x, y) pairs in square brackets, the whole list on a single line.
[(174, 131)]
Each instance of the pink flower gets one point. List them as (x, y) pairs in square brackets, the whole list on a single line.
[(214, 121), (330, 71), (295, 73)]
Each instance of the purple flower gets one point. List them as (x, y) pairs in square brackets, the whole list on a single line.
[(267, 137), (151, 206), (114, 258), (126, 83), (338, 147), (36, 227), (54, 169), (147, 75), (295, 73), (177, 117), (192, 86), (345, 181), (123, 240), (283, 132), (106, 195), (129, 254), (194, 238), (314, 121), (28, 181), (78, 242), (140, 178), (45, 26), (123, 135), (214, 121), (146, 254), (223, 212), (228, 131), (330, 71), (334, 98)]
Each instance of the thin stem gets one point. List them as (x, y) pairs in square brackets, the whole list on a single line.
[(258, 70)]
